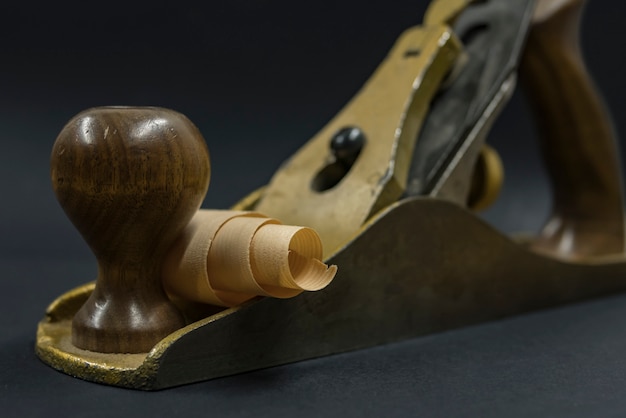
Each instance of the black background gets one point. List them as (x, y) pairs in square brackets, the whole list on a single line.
[(259, 78)]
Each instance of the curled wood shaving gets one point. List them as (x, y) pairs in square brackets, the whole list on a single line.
[(227, 257)]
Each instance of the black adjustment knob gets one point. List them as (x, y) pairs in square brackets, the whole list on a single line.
[(346, 144)]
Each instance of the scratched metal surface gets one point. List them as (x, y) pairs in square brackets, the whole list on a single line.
[(298, 67)]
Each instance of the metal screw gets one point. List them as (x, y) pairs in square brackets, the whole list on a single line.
[(347, 144)]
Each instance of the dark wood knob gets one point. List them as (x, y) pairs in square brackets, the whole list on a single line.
[(129, 179)]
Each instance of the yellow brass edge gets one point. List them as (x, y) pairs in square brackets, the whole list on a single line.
[(589, 261), (493, 178), (250, 200), (140, 371), (390, 109), (154, 356), (126, 370), (249, 203), (136, 371), (110, 369), (66, 305), (445, 11)]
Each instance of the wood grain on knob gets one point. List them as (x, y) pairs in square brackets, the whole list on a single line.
[(129, 179)]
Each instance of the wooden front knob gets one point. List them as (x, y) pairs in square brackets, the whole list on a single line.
[(129, 179)]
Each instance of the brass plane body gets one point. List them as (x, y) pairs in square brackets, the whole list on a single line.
[(389, 109), (409, 263)]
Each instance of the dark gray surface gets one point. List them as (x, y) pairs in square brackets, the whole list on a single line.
[(562, 362), (260, 78)]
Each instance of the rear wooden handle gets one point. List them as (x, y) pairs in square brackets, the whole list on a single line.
[(577, 138)]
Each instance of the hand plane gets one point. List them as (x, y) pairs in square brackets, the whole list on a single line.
[(391, 185)]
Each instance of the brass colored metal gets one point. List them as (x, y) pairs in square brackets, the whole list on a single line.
[(487, 180), (409, 265), (445, 11), (455, 129), (401, 276), (454, 185), (389, 110)]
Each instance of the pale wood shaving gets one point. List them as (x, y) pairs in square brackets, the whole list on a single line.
[(227, 257)]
